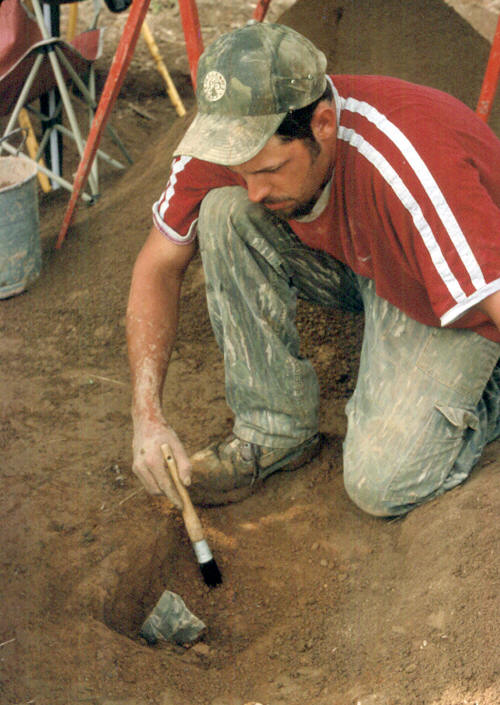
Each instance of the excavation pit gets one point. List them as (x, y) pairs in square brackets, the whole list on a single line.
[(126, 585)]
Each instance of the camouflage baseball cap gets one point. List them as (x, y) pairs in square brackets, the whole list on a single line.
[(247, 81)]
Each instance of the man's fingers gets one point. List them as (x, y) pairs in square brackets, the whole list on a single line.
[(149, 464), (158, 486), (165, 486), (147, 480), (184, 469), (169, 491)]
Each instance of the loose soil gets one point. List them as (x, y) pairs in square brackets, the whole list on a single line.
[(320, 603)]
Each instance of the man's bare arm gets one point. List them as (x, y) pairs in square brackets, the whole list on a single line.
[(491, 307), (152, 317)]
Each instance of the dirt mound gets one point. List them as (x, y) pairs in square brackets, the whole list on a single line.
[(320, 603)]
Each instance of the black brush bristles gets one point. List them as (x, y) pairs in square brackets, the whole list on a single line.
[(211, 573), (208, 567)]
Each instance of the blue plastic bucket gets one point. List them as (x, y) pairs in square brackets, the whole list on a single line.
[(20, 247)]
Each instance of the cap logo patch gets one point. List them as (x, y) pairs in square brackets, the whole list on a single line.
[(214, 86)]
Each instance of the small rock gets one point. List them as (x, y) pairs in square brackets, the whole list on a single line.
[(397, 629), (103, 333), (373, 699), (126, 701), (201, 649), (170, 697)]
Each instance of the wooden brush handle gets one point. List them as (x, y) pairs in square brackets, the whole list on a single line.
[(191, 520)]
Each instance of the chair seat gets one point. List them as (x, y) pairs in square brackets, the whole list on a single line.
[(81, 52)]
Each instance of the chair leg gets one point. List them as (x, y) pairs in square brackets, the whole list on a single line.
[(22, 99), (94, 168), (51, 114), (66, 184), (102, 155), (56, 68), (89, 97)]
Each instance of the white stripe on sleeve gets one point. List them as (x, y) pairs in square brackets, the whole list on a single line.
[(430, 186), (457, 311), (393, 179), (177, 167)]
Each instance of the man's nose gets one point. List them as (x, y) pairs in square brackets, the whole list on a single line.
[(257, 188)]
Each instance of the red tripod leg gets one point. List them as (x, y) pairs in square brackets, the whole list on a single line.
[(117, 72), (490, 78)]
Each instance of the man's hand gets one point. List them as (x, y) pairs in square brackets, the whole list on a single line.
[(149, 465)]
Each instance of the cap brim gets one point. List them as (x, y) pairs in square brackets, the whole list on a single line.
[(228, 140)]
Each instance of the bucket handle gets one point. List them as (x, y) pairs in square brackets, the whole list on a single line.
[(14, 132)]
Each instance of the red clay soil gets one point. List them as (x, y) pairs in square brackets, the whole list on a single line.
[(320, 603)]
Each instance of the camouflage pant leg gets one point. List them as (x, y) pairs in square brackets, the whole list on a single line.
[(255, 268), (426, 403)]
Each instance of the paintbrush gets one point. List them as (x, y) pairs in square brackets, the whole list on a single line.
[(208, 567)]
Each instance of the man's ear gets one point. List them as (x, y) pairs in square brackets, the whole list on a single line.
[(324, 122)]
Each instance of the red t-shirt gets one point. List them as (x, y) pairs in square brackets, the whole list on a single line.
[(414, 202)]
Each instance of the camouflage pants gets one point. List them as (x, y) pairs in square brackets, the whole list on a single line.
[(427, 400)]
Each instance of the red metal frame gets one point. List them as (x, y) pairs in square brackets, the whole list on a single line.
[(192, 30), (260, 11), (117, 72), (490, 80), (192, 34)]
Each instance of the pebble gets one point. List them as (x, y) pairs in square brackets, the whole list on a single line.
[(373, 699), (169, 697), (201, 649), (126, 701), (223, 701), (103, 333)]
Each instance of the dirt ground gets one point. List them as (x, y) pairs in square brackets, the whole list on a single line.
[(320, 603)]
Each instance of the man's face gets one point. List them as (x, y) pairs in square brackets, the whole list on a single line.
[(287, 177)]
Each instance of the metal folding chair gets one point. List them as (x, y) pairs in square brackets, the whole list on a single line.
[(32, 63)]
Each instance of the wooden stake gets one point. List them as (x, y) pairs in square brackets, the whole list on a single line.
[(162, 69), (72, 20), (32, 146)]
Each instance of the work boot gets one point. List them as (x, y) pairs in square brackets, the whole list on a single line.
[(227, 471)]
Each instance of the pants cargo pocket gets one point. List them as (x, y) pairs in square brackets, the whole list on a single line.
[(442, 457)]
